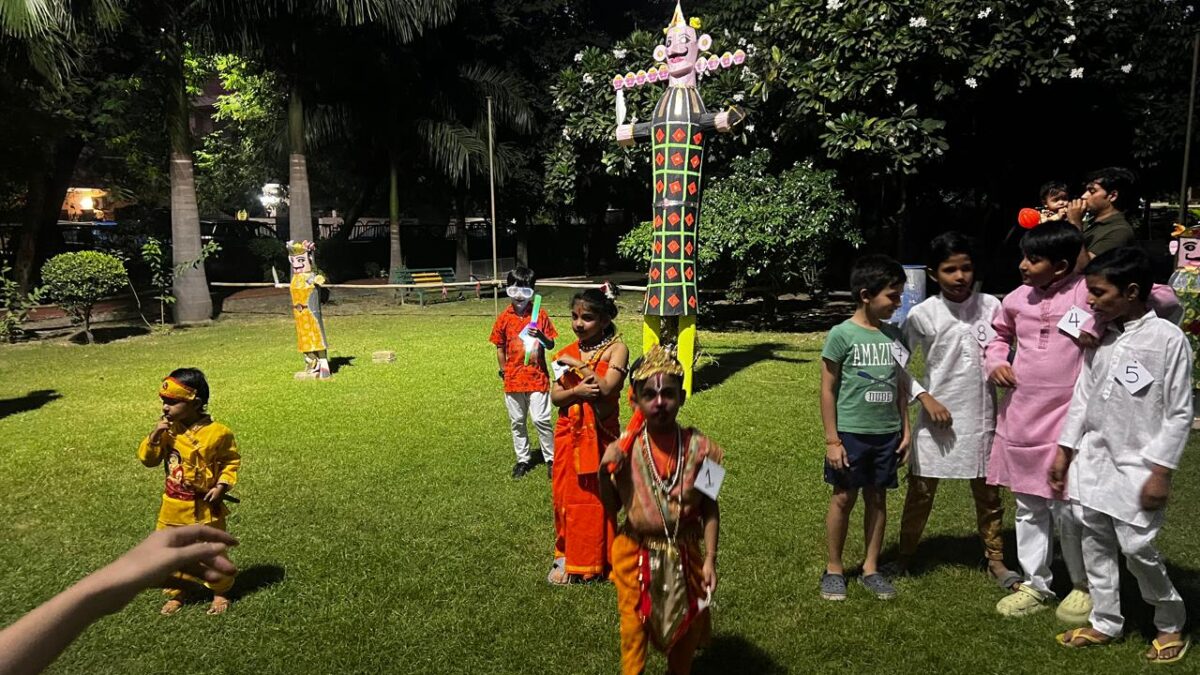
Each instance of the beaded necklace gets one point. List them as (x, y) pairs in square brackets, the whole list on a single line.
[(662, 491)]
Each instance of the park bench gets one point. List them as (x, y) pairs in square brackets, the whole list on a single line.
[(428, 280)]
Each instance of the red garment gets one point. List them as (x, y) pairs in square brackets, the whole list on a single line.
[(584, 531), (518, 377)]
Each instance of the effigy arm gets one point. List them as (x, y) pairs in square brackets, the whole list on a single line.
[(723, 122), (629, 134)]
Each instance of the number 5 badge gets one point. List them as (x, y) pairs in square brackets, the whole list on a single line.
[(1134, 376)]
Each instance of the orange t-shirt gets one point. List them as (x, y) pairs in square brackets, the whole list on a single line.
[(518, 377)]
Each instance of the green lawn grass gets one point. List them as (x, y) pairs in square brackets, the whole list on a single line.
[(381, 531)]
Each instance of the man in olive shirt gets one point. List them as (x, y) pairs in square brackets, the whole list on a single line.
[(1108, 228)]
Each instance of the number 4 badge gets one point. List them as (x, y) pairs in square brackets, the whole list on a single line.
[(710, 478), (1073, 321), (1134, 376)]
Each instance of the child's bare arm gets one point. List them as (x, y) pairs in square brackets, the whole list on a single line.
[(618, 363), (902, 403), (834, 452), (710, 511), (150, 451)]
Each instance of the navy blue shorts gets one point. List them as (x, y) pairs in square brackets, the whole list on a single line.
[(873, 461)]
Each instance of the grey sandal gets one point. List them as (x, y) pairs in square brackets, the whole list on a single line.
[(1008, 581)]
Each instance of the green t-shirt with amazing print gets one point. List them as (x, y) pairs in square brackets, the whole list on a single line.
[(867, 389)]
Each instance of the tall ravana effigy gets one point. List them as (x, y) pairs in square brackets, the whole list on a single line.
[(676, 130)]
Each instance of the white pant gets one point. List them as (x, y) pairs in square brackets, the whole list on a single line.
[(1102, 535), (1036, 517), (535, 404)]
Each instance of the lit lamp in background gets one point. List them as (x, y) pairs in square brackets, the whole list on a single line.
[(86, 203), (273, 195)]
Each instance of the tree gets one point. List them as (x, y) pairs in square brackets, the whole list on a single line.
[(922, 104)]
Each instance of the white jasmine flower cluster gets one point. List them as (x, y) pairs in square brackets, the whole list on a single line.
[(1077, 73), (985, 13), (972, 82), (918, 22)]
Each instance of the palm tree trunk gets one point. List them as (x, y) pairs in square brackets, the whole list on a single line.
[(48, 180), (462, 249), (300, 207), (193, 304), (396, 257)]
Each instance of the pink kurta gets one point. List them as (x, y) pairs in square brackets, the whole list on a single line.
[(1046, 366)]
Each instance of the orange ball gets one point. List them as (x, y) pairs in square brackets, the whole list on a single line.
[(1029, 218)]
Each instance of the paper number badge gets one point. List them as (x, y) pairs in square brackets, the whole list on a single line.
[(1134, 376), (1073, 321), (983, 332), (710, 478), (560, 369), (900, 353)]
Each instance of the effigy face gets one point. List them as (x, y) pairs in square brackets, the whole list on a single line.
[(683, 48), (1187, 252), (301, 263)]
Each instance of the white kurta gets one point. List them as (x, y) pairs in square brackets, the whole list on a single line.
[(952, 336), (1117, 435)]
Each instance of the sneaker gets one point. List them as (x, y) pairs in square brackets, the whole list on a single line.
[(1022, 602), (879, 586), (1075, 609), (521, 469), (833, 586)]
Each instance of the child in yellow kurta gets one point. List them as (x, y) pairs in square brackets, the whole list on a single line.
[(200, 458)]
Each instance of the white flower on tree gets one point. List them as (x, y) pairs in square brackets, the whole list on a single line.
[(972, 82), (1068, 40), (619, 53), (1127, 68), (588, 79), (985, 13), (834, 5), (578, 57), (1077, 73), (918, 22)]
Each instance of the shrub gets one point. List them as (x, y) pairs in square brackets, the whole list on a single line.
[(761, 228), (270, 253), (75, 281), (14, 306)]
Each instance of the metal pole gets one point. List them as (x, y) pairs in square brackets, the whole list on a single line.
[(1187, 143), (492, 186)]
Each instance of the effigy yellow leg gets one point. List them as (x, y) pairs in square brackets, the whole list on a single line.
[(651, 331), (686, 350)]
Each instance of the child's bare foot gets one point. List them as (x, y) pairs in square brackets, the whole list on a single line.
[(220, 605), (1006, 578), (173, 605), (1168, 648)]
